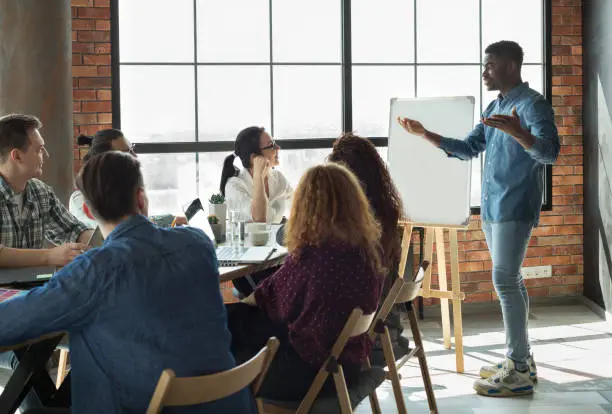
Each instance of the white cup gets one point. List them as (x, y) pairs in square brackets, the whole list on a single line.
[(258, 233), (260, 238)]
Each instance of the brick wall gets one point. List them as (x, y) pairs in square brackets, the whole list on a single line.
[(559, 239), (91, 71)]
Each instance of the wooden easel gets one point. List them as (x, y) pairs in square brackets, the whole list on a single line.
[(437, 231)]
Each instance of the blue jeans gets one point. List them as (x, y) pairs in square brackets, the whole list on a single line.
[(508, 243)]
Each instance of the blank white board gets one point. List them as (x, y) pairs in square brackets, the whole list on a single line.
[(435, 188)]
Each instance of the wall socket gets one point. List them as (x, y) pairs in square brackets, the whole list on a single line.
[(535, 272)]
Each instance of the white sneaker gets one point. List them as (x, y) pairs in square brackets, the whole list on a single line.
[(487, 371), (507, 382)]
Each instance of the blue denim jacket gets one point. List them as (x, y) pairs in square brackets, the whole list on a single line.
[(147, 300), (512, 178)]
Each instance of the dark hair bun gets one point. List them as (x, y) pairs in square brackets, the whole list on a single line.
[(84, 140)]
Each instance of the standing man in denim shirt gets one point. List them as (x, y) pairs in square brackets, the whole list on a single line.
[(147, 300), (519, 135)]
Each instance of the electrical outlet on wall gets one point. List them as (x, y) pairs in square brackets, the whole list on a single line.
[(535, 272)]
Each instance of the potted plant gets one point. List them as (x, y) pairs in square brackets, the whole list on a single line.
[(216, 228), (218, 208)]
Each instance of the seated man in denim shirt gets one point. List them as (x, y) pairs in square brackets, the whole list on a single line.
[(147, 300), (519, 135)]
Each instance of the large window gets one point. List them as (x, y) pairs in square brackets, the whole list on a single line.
[(190, 74)]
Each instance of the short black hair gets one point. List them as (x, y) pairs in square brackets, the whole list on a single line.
[(14, 132), (507, 49), (109, 182)]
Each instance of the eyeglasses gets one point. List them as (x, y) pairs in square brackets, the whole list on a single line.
[(273, 145)]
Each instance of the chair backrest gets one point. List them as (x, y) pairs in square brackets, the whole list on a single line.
[(403, 290), (172, 391), (357, 324), (411, 288)]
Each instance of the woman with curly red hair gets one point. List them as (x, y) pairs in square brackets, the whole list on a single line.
[(334, 265)]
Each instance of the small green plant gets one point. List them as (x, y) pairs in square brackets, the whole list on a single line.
[(217, 199), (212, 219)]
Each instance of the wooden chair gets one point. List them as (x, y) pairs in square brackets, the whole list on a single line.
[(403, 290), (346, 399), (172, 391), (62, 365)]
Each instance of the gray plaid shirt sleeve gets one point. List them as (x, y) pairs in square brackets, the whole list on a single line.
[(61, 226)]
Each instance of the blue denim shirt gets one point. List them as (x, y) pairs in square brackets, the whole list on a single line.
[(512, 178), (147, 300)]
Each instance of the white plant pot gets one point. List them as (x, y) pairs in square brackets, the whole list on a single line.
[(219, 210)]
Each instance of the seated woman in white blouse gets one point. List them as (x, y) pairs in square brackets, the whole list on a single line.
[(260, 192)]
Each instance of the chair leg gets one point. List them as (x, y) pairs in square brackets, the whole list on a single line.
[(61, 367), (342, 390), (374, 404), (416, 334), (385, 340)]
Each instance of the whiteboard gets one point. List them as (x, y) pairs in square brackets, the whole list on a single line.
[(435, 189)]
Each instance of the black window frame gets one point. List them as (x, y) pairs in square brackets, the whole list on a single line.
[(347, 99)]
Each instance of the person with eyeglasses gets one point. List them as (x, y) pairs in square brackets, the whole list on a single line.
[(103, 141), (260, 191)]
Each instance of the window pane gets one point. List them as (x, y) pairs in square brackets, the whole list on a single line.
[(439, 81), (499, 22), (246, 39), (307, 102), (294, 163), (534, 74), (306, 31), (451, 36), (151, 31), (382, 32), (158, 103), (211, 164), (232, 98), (170, 180), (383, 152), (373, 88)]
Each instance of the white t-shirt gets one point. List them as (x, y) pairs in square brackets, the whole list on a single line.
[(239, 195), (77, 208)]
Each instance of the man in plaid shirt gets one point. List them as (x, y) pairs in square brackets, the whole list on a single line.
[(29, 209)]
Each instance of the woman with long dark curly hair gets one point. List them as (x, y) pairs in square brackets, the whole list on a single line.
[(360, 156)]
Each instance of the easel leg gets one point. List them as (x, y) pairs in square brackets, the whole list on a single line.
[(428, 257), (442, 281), (406, 238), (456, 286)]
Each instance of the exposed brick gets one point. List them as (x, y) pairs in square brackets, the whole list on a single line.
[(96, 59), (94, 13), (105, 118), (103, 95), (95, 107)]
